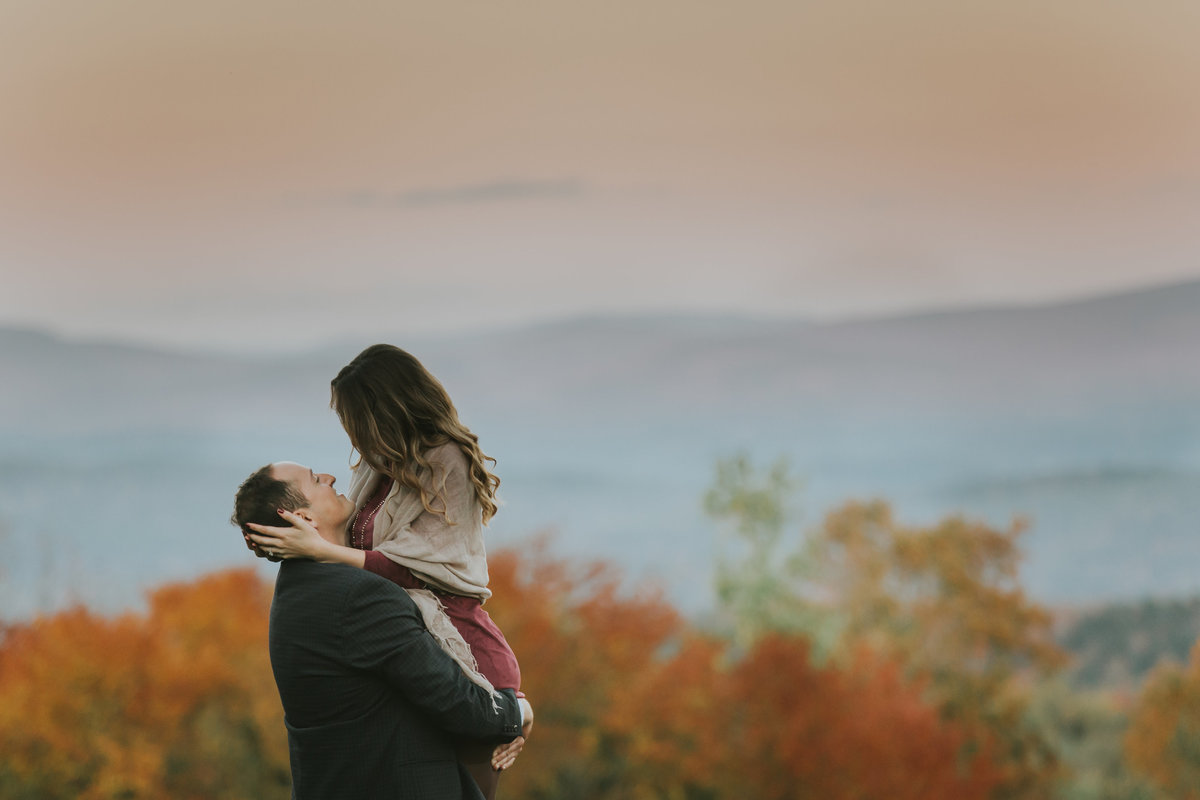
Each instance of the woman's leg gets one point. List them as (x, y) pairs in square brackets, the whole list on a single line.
[(477, 758)]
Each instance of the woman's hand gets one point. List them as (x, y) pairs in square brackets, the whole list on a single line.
[(301, 540), (505, 755), (257, 550)]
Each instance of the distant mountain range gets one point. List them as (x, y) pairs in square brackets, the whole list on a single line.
[(1135, 348), (1084, 415)]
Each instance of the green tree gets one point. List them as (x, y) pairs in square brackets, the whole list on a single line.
[(1087, 729), (759, 570)]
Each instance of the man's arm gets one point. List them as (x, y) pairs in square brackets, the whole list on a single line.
[(383, 632)]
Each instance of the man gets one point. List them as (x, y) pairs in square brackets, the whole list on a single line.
[(371, 703)]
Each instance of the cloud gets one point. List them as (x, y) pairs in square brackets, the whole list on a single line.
[(492, 192)]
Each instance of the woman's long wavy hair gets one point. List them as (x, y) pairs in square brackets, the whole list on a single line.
[(394, 411)]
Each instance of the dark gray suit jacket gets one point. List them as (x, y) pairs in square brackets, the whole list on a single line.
[(371, 703)]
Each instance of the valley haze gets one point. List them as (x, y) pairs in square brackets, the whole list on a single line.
[(119, 462)]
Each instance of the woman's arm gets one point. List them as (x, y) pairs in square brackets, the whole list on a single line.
[(303, 540)]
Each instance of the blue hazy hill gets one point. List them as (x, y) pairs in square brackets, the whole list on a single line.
[(119, 462)]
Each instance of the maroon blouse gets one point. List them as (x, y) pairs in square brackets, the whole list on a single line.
[(493, 656)]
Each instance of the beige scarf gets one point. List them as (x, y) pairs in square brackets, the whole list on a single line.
[(448, 557)]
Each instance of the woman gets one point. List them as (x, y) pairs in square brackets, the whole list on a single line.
[(423, 493)]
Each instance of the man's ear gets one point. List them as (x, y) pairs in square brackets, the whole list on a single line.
[(306, 515)]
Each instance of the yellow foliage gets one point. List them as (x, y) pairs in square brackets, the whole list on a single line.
[(1163, 740)]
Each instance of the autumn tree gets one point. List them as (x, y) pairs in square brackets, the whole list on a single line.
[(581, 637), (772, 725), (1163, 740), (945, 600), (178, 702), (635, 705), (855, 729), (669, 723)]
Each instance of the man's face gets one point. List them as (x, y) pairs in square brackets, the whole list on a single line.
[(328, 511)]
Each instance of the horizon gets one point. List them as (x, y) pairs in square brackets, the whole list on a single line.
[(1081, 415), (239, 349)]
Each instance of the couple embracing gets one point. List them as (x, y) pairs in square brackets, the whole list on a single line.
[(394, 680)]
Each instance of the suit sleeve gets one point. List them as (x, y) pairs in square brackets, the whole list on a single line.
[(383, 633)]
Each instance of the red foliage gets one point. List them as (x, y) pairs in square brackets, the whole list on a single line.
[(857, 731)]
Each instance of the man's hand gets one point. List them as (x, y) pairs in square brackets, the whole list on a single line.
[(505, 755)]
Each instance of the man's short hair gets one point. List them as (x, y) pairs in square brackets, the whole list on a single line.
[(260, 495)]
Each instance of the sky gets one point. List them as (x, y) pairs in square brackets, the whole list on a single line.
[(273, 175)]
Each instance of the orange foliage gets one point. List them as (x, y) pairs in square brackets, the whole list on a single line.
[(945, 602), (669, 721), (1163, 740), (179, 702), (633, 705), (579, 641), (859, 730)]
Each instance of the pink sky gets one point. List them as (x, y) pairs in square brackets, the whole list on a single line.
[(217, 173)]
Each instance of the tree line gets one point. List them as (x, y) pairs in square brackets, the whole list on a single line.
[(867, 659)]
